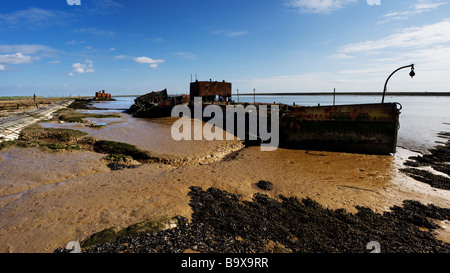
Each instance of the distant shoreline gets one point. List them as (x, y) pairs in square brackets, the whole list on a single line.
[(390, 94), (348, 93)]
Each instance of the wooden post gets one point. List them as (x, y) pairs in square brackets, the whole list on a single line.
[(334, 96), (254, 96)]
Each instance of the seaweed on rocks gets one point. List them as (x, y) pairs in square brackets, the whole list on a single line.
[(114, 147), (81, 104), (264, 185), (438, 159), (224, 223), (436, 181), (114, 166)]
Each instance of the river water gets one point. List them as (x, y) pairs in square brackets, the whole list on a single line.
[(422, 118), (50, 198)]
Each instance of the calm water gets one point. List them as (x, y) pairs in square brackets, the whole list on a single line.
[(421, 118), (120, 103)]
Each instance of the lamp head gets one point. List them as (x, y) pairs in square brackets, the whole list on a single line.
[(412, 73)]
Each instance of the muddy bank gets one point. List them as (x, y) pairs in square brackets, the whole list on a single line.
[(61, 138), (23, 169), (81, 104), (49, 216), (432, 168), (154, 136), (222, 222), (9, 107)]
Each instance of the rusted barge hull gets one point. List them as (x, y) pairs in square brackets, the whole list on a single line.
[(360, 128)]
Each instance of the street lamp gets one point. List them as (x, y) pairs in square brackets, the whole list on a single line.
[(412, 74)]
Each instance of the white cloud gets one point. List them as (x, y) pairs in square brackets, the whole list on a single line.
[(153, 63), (96, 31), (186, 55), (24, 54), (41, 50), (54, 62), (121, 57), (317, 81), (17, 58), (339, 56), (35, 18), (319, 6), (105, 7), (236, 33), (409, 37), (74, 42), (146, 60), (229, 34), (2, 67), (108, 4), (79, 68), (421, 6), (428, 47)]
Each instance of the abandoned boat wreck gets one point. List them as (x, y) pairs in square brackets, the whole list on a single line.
[(356, 128)]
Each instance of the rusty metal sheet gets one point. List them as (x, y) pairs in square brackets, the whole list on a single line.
[(365, 128)]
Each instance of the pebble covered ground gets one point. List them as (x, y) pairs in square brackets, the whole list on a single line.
[(438, 159), (223, 223)]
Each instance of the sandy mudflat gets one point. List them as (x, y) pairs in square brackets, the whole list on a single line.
[(50, 198), (45, 215), (152, 135), (24, 169)]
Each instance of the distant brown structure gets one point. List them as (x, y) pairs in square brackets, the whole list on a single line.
[(211, 90), (102, 95)]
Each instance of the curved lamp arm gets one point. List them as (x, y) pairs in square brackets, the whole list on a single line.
[(412, 74)]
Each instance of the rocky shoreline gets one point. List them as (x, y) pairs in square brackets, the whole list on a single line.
[(223, 223), (287, 201), (438, 160)]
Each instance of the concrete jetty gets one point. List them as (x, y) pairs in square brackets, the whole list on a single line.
[(11, 126)]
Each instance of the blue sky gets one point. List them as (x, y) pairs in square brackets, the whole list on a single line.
[(135, 46)]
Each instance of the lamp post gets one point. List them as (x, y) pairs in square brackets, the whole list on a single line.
[(412, 74)]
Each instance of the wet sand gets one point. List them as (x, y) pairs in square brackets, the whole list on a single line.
[(50, 198), (49, 216), (25, 169), (153, 135)]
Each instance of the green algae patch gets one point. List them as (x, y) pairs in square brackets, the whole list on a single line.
[(112, 234), (47, 138), (59, 146), (113, 147), (51, 134), (18, 143), (71, 116), (118, 158), (104, 236)]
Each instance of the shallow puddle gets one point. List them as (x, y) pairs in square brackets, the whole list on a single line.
[(153, 135)]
